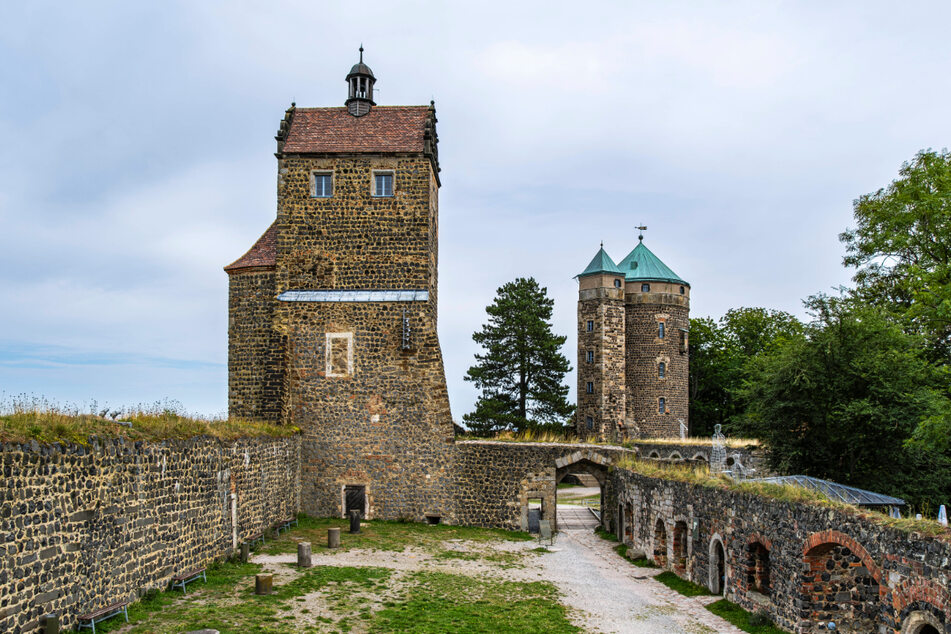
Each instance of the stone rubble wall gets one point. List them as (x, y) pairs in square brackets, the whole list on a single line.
[(85, 527), (750, 457), (823, 563)]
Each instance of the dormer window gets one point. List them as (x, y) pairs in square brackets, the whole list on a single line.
[(382, 184)]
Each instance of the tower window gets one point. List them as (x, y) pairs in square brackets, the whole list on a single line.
[(681, 290), (589, 422), (617, 283), (661, 369), (590, 326), (683, 342), (662, 405), (323, 184), (660, 330), (645, 288), (590, 356), (589, 388), (382, 184)]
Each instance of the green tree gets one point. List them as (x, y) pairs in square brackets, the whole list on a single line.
[(840, 402), (901, 247), (521, 371), (720, 355)]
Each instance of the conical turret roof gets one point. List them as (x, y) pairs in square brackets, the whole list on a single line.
[(642, 265), (602, 263)]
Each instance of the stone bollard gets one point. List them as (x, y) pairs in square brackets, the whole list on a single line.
[(333, 538), (245, 552), (354, 521), (303, 555), (263, 584)]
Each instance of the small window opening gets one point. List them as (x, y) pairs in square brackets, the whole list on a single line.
[(589, 421), (661, 368), (589, 388), (432, 520), (662, 405), (617, 283), (590, 356), (590, 326), (683, 341), (383, 184), (323, 185), (645, 288), (660, 330), (681, 290)]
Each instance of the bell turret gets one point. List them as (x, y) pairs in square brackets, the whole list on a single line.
[(360, 82)]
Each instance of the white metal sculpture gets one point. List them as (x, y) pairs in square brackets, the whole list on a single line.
[(683, 429), (942, 515), (718, 451)]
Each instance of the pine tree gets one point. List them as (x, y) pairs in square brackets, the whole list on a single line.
[(522, 371)]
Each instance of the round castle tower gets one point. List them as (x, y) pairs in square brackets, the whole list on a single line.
[(632, 348)]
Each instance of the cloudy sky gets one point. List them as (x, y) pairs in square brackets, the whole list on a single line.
[(137, 158)]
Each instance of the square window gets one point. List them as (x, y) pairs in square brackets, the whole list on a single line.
[(339, 354), (590, 326), (645, 288), (590, 356), (382, 184), (589, 388), (323, 184)]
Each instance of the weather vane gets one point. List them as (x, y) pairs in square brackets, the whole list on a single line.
[(642, 229)]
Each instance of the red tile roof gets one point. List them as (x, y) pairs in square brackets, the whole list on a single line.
[(383, 129), (262, 254)]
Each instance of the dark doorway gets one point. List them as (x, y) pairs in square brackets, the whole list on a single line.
[(355, 496), (719, 562), (927, 629)]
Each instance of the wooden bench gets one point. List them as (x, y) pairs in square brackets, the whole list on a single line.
[(286, 524), (256, 538), (122, 607), (187, 577)]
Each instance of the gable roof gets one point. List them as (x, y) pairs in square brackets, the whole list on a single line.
[(602, 263), (262, 255), (642, 265), (383, 129)]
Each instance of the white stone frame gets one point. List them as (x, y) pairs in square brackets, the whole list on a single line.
[(327, 356), (373, 175), (313, 182)]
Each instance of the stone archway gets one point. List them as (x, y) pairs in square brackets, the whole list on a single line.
[(595, 464), (716, 573)]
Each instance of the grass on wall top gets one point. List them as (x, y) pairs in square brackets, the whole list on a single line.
[(568, 437), (23, 419), (700, 475)]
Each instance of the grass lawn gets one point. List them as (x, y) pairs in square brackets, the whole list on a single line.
[(360, 598), (752, 623), (684, 587)]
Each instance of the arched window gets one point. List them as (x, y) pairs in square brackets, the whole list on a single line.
[(661, 369), (617, 283), (589, 422), (662, 405)]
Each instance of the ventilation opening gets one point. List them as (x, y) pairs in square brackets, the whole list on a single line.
[(432, 520)]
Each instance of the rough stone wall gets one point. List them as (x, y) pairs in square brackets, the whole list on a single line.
[(493, 481), (750, 457), (822, 563), (84, 527), (255, 350), (645, 350), (384, 421), (605, 406)]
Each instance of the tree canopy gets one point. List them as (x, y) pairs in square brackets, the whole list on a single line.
[(521, 371)]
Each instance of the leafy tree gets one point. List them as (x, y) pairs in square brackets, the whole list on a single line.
[(840, 402), (522, 371), (901, 247), (720, 354)]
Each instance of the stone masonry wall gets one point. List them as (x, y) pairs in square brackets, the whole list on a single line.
[(803, 564), (645, 351), (255, 350), (605, 405), (84, 527)]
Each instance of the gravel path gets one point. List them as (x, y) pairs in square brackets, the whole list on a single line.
[(602, 592)]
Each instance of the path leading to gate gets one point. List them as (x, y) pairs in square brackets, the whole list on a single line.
[(608, 594)]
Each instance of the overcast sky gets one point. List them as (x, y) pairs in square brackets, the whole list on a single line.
[(137, 158)]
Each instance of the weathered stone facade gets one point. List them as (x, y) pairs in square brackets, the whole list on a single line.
[(84, 527), (633, 367), (804, 565)]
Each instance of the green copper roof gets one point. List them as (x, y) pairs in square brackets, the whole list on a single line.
[(642, 265), (602, 263)]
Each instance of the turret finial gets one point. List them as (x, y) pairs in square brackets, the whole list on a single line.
[(361, 52), (642, 229)]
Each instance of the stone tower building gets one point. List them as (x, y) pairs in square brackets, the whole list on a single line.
[(332, 323), (633, 321)]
